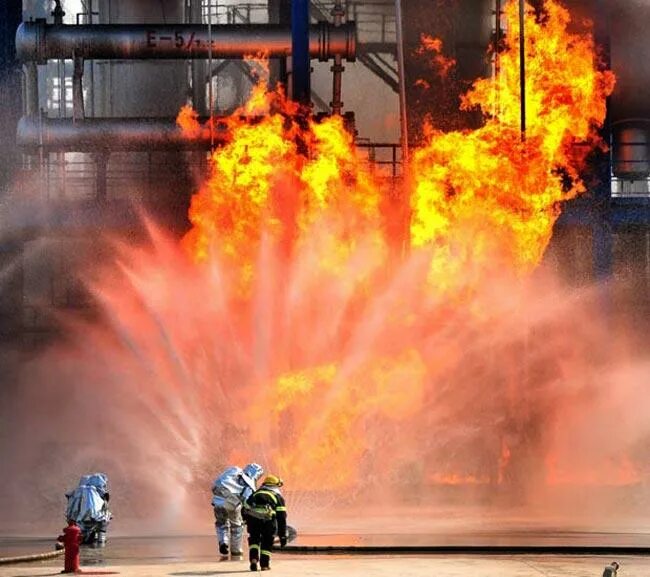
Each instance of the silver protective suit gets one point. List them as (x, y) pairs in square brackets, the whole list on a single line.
[(87, 506), (230, 490)]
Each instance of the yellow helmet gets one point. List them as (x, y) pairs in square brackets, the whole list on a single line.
[(273, 481)]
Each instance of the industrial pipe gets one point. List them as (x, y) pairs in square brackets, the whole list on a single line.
[(78, 112), (111, 134), (337, 68), (39, 41), (31, 89)]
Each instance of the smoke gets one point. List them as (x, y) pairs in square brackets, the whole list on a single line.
[(362, 378), (530, 407)]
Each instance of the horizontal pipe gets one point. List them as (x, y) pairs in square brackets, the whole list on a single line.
[(38, 41), (111, 134)]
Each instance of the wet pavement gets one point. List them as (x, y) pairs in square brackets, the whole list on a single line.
[(363, 566), (122, 551)]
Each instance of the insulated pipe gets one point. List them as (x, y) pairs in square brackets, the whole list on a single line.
[(38, 41), (111, 134)]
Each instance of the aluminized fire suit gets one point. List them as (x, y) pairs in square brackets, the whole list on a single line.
[(88, 507), (230, 490)]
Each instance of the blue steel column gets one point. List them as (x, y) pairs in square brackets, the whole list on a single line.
[(300, 61)]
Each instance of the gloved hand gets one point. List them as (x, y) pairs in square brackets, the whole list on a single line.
[(283, 542)]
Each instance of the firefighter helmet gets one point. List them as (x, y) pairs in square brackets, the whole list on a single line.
[(273, 481)]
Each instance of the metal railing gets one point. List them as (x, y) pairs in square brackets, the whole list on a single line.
[(241, 13), (74, 176), (383, 158)]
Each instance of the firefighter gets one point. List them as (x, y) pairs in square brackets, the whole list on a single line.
[(230, 490), (265, 513), (88, 507)]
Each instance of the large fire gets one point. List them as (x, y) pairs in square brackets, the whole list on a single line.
[(354, 346), (357, 355)]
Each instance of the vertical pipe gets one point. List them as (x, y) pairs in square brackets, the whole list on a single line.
[(402, 83), (58, 12), (101, 163), (91, 68), (77, 89), (279, 13), (41, 155), (497, 55), (31, 89), (31, 108), (403, 207), (497, 36), (197, 66), (522, 67), (210, 95), (301, 66), (60, 69), (337, 68)]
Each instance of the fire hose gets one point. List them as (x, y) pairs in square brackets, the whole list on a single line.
[(28, 558)]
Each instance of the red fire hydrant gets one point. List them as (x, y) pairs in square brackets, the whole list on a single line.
[(71, 540)]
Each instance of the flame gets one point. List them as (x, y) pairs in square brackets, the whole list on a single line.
[(504, 460), (440, 63), (457, 479), (338, 370), (486, 195), (262, 185), (324, 403)]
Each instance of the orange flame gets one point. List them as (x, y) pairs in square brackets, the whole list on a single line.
[(262, 185), (481, 201), (440, 63), (483, 193)]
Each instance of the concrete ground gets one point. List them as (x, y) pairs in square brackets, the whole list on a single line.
[(363, 566)]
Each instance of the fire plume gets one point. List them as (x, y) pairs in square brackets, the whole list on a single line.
[(353, 358), (493, 194)]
